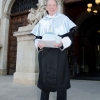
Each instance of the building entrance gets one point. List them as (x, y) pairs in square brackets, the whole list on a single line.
[(90, 56), (90, 46), (18, 18), (16, 21)]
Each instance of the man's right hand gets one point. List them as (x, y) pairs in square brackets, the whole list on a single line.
[(41, 46)]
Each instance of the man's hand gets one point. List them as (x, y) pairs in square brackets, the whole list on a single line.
[(41, 46), (57, 45)]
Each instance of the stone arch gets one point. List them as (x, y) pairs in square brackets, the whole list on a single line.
[(84, 15), (5, 33), (8, 6), (80, 19), (8, 42)]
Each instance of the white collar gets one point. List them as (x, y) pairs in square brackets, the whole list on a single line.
[(51, 16)]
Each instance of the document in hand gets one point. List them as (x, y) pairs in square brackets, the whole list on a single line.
[(48, 43)]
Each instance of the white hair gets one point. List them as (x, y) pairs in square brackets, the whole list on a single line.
[(54, 0)]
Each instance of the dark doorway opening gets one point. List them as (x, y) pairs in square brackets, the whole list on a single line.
[(89, 45)]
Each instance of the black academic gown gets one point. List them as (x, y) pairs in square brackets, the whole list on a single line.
[(54, 72)]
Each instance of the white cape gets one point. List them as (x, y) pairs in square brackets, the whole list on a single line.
[(58, 24)]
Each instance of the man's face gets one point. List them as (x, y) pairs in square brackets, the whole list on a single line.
[(51, 7)]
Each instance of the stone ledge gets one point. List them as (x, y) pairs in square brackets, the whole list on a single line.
[(21, 33), (25, 38), (26, 28), (3, 72)]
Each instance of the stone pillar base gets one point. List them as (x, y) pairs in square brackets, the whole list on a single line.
[(25, 78), (3, 72), (27, 59)]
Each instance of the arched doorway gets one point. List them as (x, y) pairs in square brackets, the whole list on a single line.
[(18, 18), (90, 46)]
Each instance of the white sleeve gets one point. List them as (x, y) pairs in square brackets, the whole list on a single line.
[(66, 43), (36, 45)]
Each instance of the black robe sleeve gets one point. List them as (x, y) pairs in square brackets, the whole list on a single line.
[(69, 34), (38, 37)]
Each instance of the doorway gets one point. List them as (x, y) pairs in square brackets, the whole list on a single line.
[(15, 23), (18, 18), (90, 46), (90, 56)]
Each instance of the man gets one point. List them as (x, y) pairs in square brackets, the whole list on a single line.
[(53, 62)]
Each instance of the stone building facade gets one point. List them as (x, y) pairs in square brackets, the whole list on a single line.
[(18, 56), (13, 58)]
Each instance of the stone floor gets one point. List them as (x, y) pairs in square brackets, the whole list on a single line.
[(80, 90)]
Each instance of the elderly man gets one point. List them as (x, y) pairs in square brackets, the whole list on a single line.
[(53, 62)]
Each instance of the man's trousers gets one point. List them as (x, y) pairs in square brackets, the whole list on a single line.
[(61, 95)]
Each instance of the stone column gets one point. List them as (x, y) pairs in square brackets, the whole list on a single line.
[(60, 6), (4, 41), (26, 62)]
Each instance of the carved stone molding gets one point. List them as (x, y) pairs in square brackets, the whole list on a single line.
[(6, 15), (25, 38), (8, 6)]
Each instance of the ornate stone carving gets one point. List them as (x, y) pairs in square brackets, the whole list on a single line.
[(35, 15), (31, 16)]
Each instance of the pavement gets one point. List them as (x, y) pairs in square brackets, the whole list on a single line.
[(80, 90)]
